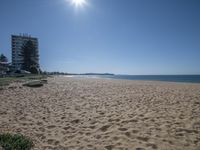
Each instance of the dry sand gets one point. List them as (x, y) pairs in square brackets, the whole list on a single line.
[(103, 114)]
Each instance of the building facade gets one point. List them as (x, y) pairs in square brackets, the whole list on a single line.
[(17, 42)]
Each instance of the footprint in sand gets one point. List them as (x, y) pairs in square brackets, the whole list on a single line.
[(135, 131), (51, 126), (145, 139), (130, 121), (49, 147), (68, 127), (105, 128), (152, 145), (196, 126), (139, 148), (62, 118), (87, 133), (92, 127), (122, 129), (76, 121), (109, 147), (52, 142), (115, 138), (39, 123), (114, 120), (89, 146), (98, 136), (61, 147), (128, 134), (40, 136)]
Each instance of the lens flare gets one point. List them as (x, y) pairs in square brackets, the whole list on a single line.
[(78, 3)]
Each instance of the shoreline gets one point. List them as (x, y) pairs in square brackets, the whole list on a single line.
[(96, 77)]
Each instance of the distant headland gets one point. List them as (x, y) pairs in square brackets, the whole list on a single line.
[(63, 73)]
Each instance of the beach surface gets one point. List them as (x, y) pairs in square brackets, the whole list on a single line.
[(103, 114)]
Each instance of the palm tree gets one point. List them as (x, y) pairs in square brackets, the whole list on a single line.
[(3, 64), (3, 58)]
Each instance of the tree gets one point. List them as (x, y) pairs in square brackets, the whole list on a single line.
[(29, 55), (4, 66), (3, 58), (34, 70)]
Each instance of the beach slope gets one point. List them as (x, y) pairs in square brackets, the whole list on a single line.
[(103, 114)]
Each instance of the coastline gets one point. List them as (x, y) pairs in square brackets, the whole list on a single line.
[(115, 77), (104, 114)]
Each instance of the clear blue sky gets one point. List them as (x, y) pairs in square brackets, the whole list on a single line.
[(117, 36)]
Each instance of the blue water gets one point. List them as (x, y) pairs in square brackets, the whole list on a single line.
[(168, 78)]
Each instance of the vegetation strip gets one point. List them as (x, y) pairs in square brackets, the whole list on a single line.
[(15, 142)]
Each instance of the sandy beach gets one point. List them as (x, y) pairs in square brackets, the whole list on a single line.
[(103, 114)]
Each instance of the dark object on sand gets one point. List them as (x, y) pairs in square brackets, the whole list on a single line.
[(36, 83), (45, 81)]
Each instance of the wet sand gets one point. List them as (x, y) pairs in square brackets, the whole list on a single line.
[(104, 114)]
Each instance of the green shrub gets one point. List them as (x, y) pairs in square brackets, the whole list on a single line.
[(15, 142)]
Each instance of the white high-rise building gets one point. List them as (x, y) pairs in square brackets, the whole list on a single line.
[(17, 42)]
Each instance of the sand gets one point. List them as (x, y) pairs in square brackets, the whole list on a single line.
[(104, 114)]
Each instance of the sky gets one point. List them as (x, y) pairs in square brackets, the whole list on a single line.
[(137, 37)]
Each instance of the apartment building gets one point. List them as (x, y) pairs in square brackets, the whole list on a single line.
[(17, 42)]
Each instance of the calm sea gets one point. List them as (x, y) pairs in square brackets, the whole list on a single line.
[(168, 78)]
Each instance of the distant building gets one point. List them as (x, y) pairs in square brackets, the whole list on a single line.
[(17, 42)]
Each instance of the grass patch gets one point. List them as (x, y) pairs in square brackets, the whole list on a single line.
[(34, 77), (15, 142), (7, 80)]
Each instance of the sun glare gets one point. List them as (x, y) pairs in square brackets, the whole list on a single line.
[(78, 3)]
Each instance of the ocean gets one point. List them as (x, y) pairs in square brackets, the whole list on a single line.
[(167, 78)]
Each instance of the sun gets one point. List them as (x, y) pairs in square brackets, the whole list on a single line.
[(78, 3)]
